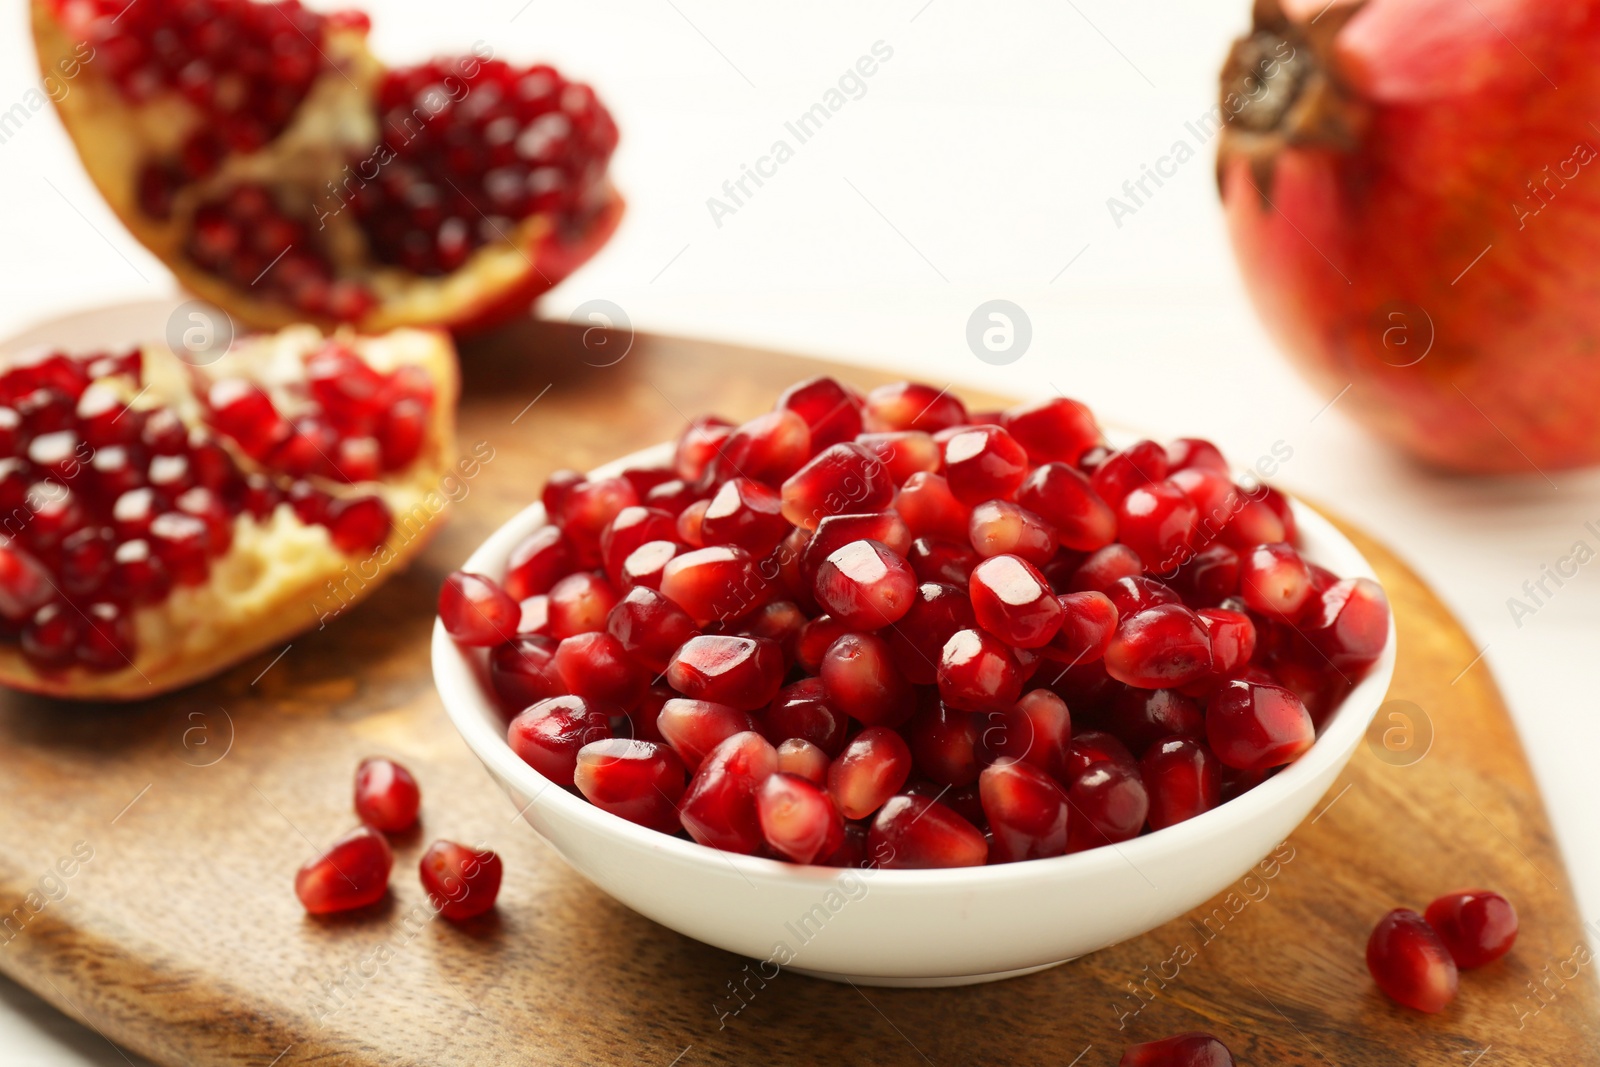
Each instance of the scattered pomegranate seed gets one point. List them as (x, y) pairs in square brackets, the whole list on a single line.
[(1014, 602), (1477, 926), (1054, 429), (352, 873), (387, 797), (930, 509), (461, 882), (1410, 963), (1194, 1049)]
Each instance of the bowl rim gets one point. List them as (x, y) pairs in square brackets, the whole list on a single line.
[(459, 679)]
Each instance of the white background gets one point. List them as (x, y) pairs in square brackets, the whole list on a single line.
[(976, 166)]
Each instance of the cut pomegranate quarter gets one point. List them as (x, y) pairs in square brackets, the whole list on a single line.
[(164, 521), (863, 627), (462, 883), (268, 158), (1410, 963), (352, 873)]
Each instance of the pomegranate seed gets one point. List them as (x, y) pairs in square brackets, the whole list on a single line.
[(1088, 621), (107, 643), (797, 818), (838, 531), (649, 627), (870, 770), (387, 797), (1233, 639), (549, 734), (779, 622), (984, 463), (694, 727), (1275, 581), (50, 639), (1089, 747), (1410, 963), (1255, 727), (462, 883), (1477, 926), (816, 637), (1139, 464), (1014, 602), (719, 808), (1104, 568), (640, 781), (1158, 522), (903, 453), (1163, 646), (1349, 623), (1026, 810), (977, 672), (860, 679), (1194, 453), (646, 564), (523, 672), (476, 611), (600, 668), (832, 411), (1037, 729), (1141, 717), (944, 744), (745, 513), (769, 448), (930, 509), (742, 672), (712, 584), (1054, 429), (352, 873), (800, 757), (918, 639), (1194, 1049), (579, 604), (1183, 779), (912, 406), (698, 446), (1000, 527), (841, 479), (1109, 804), (942, 561), (802, 711), (1064, 498), (915, 833), (865, 585), (632, 527)]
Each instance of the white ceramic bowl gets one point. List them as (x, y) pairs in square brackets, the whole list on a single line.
[(910, 928)]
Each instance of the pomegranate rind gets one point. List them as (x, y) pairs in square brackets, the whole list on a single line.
[(497, 283), (279, 577)]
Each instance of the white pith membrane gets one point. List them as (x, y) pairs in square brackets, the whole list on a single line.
[(333, 124), (280, 575)]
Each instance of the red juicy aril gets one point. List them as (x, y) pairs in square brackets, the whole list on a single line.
[(1410, 963), (875, 628), (353, 873), (160, 521), (283, 173)]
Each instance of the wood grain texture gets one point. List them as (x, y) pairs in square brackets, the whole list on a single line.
[(181, 938)]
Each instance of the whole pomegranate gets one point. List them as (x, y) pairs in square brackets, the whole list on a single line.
[(1412, 194)]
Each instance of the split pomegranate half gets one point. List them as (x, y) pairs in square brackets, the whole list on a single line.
[(161, 521), (283, 173)]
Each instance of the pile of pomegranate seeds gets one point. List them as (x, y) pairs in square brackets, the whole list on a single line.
[(1194, 1049), (106, 507), (879, 629), (1416, 960), (460, 882)]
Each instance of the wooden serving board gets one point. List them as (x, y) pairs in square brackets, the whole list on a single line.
[(179, 935)]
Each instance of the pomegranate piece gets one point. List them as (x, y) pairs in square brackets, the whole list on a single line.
[(719, 808), (523, 671), (637, 780), (910, 833), (1477, 926), (944, 744), (1275, 581), (461, 882), (1026, 810), (1410, 963), (1109, 804), (870, 770), (694, 727), (548, 735), (1064, 498), (832, 411), (841, 479), (1254, 524), (912, 406), (861, 680), (800, 757), (1000, 527), (797, 818), (1255, 727), (978, 672), (1037, 729), (865, 585), (930, 509), (1088, 621), (649, 628), (1053, 429), (983, 463), (742, 672), (387, 797), (714, 584), (352, 873), (598, 667), (918, 639), (1194, 1049), (1183, 779), (1163, 646), (1014, 602)]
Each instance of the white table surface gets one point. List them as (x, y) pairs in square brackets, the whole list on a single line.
[(977, 165)]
